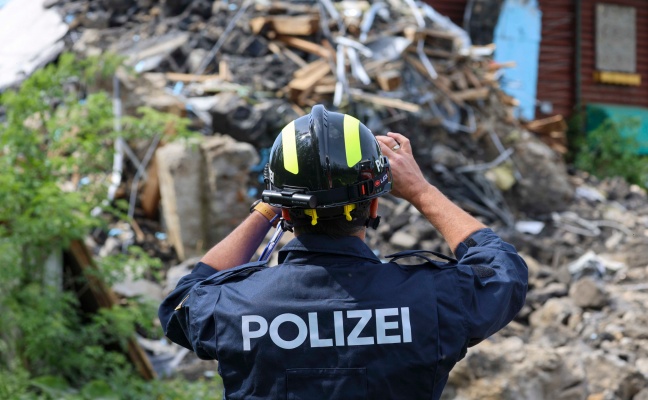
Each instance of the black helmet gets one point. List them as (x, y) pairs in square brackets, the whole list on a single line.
[(325, 159)]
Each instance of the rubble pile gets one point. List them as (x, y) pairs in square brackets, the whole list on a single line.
[(244, 70)]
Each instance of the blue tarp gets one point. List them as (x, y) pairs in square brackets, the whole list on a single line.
[(517, 38)]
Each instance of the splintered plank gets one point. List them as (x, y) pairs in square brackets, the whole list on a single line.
[(472, 94), (384, 101), (307, 76), (150, 197), (300, 25), (309, 68), (389, 80), (281, 50), (257, 24), (472, 78), (224, 71), (549, 124), (305, 45)]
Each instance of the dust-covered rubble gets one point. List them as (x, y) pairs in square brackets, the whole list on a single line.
[(240, 71)]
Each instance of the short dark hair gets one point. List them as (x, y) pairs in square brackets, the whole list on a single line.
[(331, 226)]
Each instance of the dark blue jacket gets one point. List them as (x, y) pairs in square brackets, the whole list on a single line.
[(332, 321)]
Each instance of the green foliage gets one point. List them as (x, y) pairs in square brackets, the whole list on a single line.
[(56, 132), (117, 386), (605, 152)]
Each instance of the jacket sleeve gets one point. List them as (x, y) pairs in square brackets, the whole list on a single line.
[(186, 315), (493, 280)]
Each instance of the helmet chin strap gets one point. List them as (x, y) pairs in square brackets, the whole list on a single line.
[(374, 219), (372, 222)]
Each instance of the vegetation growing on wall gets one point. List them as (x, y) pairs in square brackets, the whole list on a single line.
[(606, 152), (56, 131)]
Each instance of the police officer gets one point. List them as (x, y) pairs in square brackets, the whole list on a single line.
[(332, 321)]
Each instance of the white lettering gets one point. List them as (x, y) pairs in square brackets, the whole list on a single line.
[(389, 328), (353, 339), (288, 344), (248, 334), (339, 328), (382, 326), (315, 341), (380, 164), (407, 329)]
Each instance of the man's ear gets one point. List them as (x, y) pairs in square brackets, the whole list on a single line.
[(373, 208), (285, 214)]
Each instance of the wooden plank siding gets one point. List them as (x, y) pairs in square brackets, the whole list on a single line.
[(593, 92), (556, 74), (556, 70), (453, 9), (557, 62)]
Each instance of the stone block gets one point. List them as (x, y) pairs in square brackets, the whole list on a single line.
[(180, 173), (227, 166), (588, 293)]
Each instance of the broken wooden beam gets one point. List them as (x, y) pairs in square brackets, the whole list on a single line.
[(384, 101), (472, 78), (224, 71), (311, 67), (296, 25), (283, 52), (150, 197), (549, 124), (299, 25), (324, 89), (414, 34), (389, 80), (305, 45), (307, 76), (257, 24), (472, 94)]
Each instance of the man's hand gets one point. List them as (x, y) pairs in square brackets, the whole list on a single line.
[(409, 184), (408, 180)]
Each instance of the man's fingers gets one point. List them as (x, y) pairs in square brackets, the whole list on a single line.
[(386, 150), (401, 140), (388, 142)]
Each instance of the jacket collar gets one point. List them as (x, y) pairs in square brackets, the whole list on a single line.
[(321, 245)]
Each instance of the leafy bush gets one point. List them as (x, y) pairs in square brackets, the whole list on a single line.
[(605, 152), (54, 134)]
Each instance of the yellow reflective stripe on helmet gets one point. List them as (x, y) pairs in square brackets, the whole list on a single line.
[(352, 140), (289, 145)]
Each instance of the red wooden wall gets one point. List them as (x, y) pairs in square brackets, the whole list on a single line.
[(453, 9), (593, 92), (557, 63), (556, 72)]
